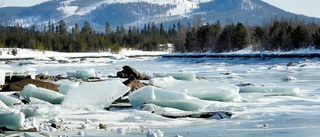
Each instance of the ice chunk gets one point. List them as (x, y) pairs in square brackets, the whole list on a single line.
[(288, 78), (40, 110), (2, 105), (66, 85), (24, 72), (214, 91), (42, 94), (2, 77), (271, 90), (166, 98), (188, 76), (95, 94), (82, 73), (11, 120), (154, 133), (9, 101)]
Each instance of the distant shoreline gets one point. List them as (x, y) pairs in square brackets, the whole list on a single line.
[(242, 55)]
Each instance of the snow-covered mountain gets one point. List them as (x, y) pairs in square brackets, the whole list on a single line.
[(140, 12)]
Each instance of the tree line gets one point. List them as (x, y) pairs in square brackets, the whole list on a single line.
[(284, 35)]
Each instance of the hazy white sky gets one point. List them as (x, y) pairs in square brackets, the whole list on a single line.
[(305, 7)]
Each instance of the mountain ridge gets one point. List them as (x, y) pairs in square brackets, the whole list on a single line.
[(140, 12)]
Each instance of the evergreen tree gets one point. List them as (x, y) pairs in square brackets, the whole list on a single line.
[(300, 37), (62, 28), (107, 28), (316, 39), (240, 37), (86, 29)]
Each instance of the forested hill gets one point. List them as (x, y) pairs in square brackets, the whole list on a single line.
[(139, 12)]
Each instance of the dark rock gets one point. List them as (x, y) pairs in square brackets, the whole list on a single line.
[(245, 84), (292, 64), (63, 61), (56, 126), (134, 84), (19, 85), (4, 129), (201, 78), (102, 126), (44, 77), (129, 72)]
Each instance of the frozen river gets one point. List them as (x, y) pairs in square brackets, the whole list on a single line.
[(277, 99)]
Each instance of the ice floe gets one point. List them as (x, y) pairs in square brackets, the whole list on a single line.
[(8, 100), (95, 95), (82, 73), (11, 120), (188, 76), (206, 90), (41, 93), (166, 98)]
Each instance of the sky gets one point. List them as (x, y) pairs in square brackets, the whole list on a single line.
[(305, 7)]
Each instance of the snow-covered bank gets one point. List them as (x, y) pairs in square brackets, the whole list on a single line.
[(6, 53), (249, 53)]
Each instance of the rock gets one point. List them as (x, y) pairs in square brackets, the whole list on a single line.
[(44, 77), (56, 126), (102, 126), (49, 78), (129, 72), (292, 64), (19, 85), (134, 84)]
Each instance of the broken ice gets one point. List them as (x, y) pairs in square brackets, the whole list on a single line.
[(188, 76), (95, 94), (214, 91), (82, 73), (271, 90), (166, 98), (9, 101), (11, 120), (42, 94)]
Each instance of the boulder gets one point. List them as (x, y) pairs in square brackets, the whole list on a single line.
[(134, 84), (19, 85), (129, 72), (292, 64)]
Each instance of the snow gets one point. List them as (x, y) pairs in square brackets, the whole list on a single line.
[(96, 95), (166, 98), (40, 93), (275, 97), (11, 120), (182, 6)]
